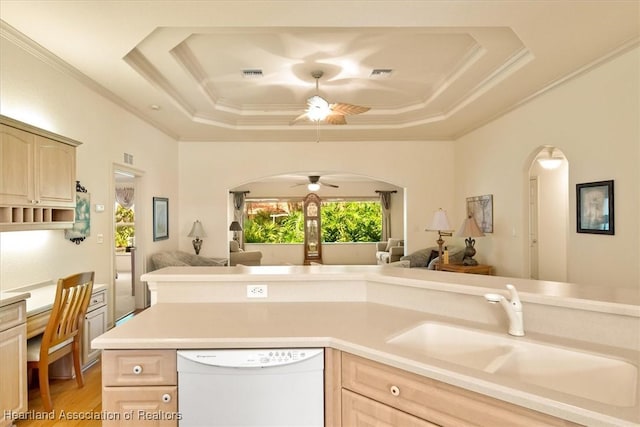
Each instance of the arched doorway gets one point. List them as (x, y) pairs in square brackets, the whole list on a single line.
[(548, 214)]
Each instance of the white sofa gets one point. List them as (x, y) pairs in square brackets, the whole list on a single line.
[(179, 258), (242, 257), (428, 257)]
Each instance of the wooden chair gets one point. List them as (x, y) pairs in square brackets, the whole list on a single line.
[(63, 334)]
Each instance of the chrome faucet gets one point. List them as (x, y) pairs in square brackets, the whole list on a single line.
[(513, 308)]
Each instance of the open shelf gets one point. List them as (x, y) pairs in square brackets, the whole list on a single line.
[(21, 217)]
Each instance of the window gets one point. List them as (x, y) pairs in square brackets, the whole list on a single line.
[(273, 221), (351, 221), (125, 227), (281, 221)]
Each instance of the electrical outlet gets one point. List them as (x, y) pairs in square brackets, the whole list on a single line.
[(256, 291)]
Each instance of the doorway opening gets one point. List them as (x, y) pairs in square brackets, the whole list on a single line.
[(548, 214), (128, 294)]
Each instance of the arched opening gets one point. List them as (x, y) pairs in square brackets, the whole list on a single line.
[(548, 214), (334, 188)]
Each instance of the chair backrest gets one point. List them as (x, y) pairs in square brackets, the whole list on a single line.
[(69, 308)]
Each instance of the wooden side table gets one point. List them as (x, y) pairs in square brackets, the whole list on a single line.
[(472, 269)]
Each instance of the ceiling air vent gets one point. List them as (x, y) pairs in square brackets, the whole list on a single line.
[(381, 72), (252, 73)]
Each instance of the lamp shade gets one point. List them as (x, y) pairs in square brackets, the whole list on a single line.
[(313, 186), (440, 221), (469, 228), (235, 226), (197, 230)]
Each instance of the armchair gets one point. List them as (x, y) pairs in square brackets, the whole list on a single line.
[(389, 251)]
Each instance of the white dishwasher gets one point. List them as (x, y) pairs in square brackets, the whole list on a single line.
[(251, 387)]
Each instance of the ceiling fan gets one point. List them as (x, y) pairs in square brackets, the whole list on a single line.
[(315, 183), (319, 109)]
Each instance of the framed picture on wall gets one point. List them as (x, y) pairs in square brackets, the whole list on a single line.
[(160, 218), (82, 225), (481, 208), (595, 213)]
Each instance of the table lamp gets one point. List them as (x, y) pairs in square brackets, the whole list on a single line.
[(197, 231), (235, 227), (440, 223), (470, 230)]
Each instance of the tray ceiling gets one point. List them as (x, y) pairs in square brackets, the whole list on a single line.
[(455, 65)]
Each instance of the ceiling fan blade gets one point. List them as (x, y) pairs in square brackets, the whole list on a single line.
[(336, 119), (301, 117), (329, 185), (348, 109)]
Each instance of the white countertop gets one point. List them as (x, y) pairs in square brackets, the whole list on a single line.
[(361, 328), (605, 299), (11, 297), (39, 297)]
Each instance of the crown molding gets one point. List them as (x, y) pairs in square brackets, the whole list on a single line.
[(609, 56), (38, 51)]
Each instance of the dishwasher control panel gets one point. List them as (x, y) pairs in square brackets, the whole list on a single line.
[(251, 358)]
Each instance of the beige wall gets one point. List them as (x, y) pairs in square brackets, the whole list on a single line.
[(594, 120), (209, 170), (38, 93)]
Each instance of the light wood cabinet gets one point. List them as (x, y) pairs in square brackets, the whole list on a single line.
[(359, 411), (382, 390), (95, 324), (37, 178), (140, 387), (13, 365)]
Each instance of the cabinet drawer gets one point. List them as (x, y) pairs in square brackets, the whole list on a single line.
[(12, 315), (37, 323), (139, 367), (359, 411), (98, 299), (140, 406), (432, 400)]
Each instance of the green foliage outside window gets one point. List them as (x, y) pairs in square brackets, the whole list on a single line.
[(125, 230), (351, 221), (270, 226), (342, 221)]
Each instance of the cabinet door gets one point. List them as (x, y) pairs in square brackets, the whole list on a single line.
[(140, 406), (16, 166), (13, 371), (56, 173), (95, 324)]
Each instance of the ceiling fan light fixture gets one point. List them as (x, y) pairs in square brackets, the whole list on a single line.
[(313, 186), (318, 108)]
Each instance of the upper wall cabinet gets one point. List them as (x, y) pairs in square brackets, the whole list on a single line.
[(37, 178)]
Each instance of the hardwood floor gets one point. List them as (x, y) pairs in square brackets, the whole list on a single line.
[(69, 402)]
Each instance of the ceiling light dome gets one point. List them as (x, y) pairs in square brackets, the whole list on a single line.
[(550, 161), (318, 108)]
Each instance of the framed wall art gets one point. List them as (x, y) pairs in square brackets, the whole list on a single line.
[(594, 208), (82, 225), (160, 218), (481, 208)]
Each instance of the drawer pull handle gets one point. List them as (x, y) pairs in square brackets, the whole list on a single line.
[(166, 398), (137, 369), (395, 390), (94, 301)]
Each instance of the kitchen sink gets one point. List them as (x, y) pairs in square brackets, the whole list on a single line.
[(462, 346), (592, 376)]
